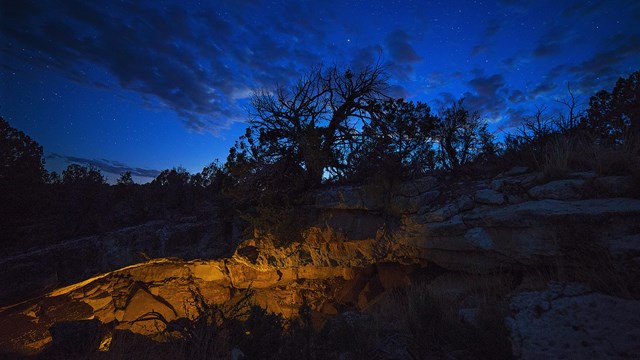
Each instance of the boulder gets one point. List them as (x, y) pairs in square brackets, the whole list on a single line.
[(525, 180), (489, 197), (74, 260), (567, 321), (463, 203), (570, 189), (554, 212), (530, 233), (615, 185), (412, 204), (585, 175), (441, 214)]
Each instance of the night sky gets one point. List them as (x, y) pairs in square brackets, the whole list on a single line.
[(149, 85)]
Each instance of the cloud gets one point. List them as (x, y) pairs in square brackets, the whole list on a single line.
[(487, 86), (512, 118), (366, 56), (517, 96), (436, 80), (19, 10), (397, 92), (556, 71), (492, 28), (604, 61), (189, 60), (399, 47), (581, 9), (479, 49), (519, 60), (488, 96), (542, 88), (547, 49), (604, 67), (553, 42), (107, 166), (403, 56), (516, 2), (444, 100)]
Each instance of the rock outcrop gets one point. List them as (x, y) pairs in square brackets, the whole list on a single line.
[(568, 321), (37, 271), (528, 233), (329, 276), (366, 240)]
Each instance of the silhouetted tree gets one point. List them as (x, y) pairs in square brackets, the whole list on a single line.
[(78, 175), (22, 177), (85, 200), (570, 121), (173, 189), (53, 178), (312, 124), (125, 179), (611, 115), (175, 177), (398, 140), (460, 135), (21, 161), (212, 176)]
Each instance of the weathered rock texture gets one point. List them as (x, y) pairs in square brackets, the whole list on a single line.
[(567, 321), (329, 276), (35, 272), (365, 241)]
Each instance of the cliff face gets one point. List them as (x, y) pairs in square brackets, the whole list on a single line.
[(366, 241), (40, 270)]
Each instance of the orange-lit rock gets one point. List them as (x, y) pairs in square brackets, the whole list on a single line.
[(353, 255)]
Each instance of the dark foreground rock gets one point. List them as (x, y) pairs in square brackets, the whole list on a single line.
[(366, 242), (38, 271), (568, 321)]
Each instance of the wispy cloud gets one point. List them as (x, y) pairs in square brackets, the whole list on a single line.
[(403, 56), (199, 61), (190, 61), (107, 166), (553, 42), (487, 96), (492, 28)]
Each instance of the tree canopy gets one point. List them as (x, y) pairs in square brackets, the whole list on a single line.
[(461, 136), (21, 161), (611, 114), (313, 123), (398, 140)]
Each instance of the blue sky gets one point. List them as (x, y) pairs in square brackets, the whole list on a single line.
[(150, 85)]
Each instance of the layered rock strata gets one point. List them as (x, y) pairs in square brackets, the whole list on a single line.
[(365, 241)]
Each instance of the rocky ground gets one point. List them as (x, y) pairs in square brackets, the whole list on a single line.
[(517, 231)]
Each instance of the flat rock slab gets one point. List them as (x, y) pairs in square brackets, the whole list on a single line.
[(570, 189), (490, 197), (549, 211), (567, 321)]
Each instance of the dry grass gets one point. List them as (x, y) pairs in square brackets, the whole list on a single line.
[(556, 158), (430, 324), (582, 259), (563, 154)]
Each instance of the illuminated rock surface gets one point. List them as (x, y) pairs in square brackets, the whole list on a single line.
[(365, 242)]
